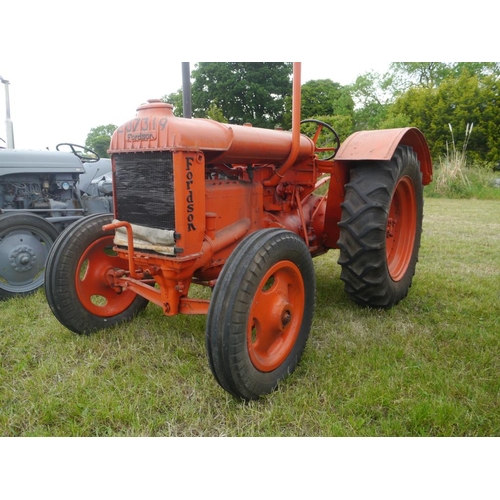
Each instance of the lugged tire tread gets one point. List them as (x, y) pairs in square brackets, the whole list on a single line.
[(363, 227)]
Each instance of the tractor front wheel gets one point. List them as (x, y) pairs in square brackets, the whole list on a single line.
[(380, 229), (76, 284), (261, 313)]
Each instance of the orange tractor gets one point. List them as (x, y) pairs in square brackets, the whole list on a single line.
[(237, 209)]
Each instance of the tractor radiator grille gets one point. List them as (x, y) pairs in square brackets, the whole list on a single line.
[(145, 189)]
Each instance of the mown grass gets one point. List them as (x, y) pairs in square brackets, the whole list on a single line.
[(428, 367)]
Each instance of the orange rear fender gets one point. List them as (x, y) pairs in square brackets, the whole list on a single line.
[(381, 145)]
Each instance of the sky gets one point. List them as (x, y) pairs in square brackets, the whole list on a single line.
[(77, 65)]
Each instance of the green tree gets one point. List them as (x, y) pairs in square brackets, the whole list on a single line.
[(98, 139), (321, 99), (481, 69), (456, 101), (404, 75), (215, 113), (325, 98), (245, 92), (175, 98), (372, 99)]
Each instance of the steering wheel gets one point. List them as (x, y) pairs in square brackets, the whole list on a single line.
[(85, 154), (317, 133)]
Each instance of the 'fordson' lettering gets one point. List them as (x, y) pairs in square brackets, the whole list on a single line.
[(189, 191), (141, 136)]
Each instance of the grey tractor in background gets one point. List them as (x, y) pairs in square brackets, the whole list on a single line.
[(41, 194)]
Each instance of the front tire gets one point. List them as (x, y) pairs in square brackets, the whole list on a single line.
[(76, 287), (380, 229), (261, 313)]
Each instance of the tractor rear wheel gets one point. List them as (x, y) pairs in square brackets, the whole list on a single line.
[(380, 229), (261, 313), (25, 241), (75, 279)]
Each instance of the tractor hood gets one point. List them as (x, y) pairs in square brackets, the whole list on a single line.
[(155, 128), (12, 161)]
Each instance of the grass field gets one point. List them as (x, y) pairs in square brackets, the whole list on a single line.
[(428, 367)]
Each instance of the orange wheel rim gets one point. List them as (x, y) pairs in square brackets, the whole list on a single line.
[(92, 286), (275, 316), (401, 228)]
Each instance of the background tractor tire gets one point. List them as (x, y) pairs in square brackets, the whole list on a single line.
[(25, 241), (75, 279), (261, 313), (380, 229)]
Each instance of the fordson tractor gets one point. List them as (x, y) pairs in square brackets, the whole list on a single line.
[(242, 210)]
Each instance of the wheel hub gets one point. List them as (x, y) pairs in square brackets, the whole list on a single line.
[(286, 317), (22, 258)]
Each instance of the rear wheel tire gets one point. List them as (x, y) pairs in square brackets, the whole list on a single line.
[(261, 313), (25, 241), (380, 229), (75, 279)]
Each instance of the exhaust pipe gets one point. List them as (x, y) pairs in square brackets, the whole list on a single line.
[(8, 121), (294, 151)]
